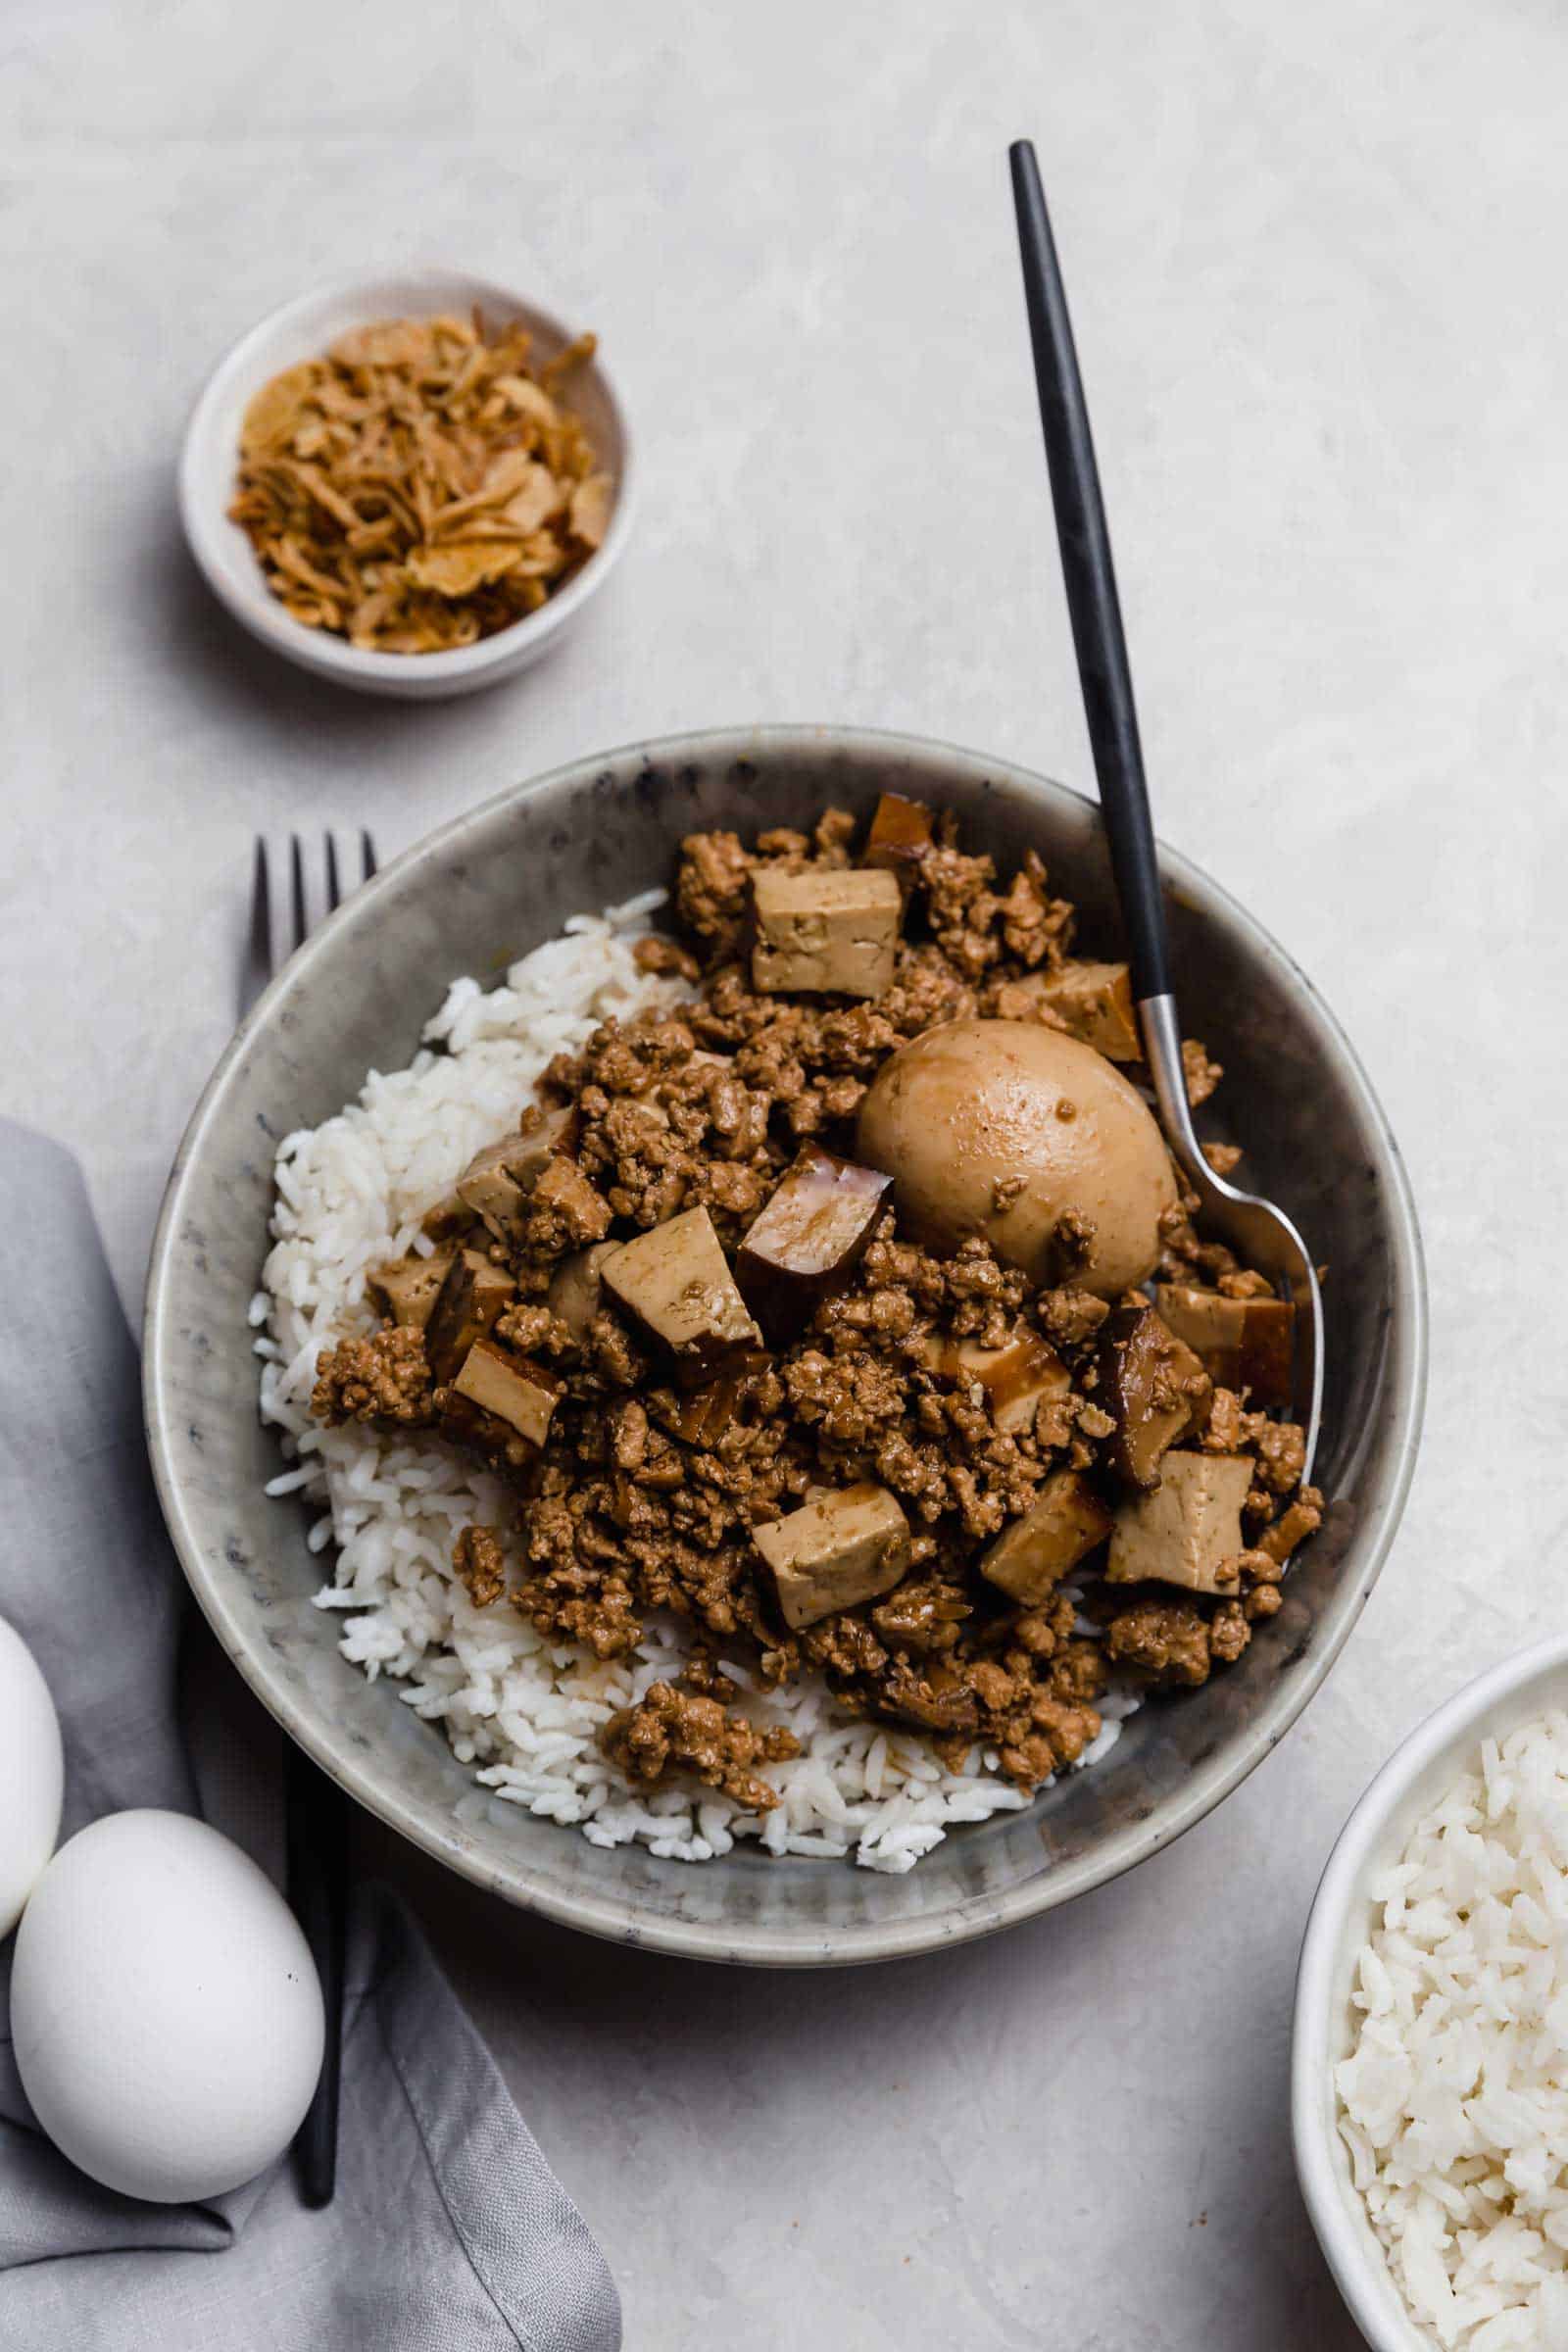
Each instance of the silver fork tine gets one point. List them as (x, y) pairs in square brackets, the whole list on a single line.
[(302, 908), (261, 906), (340, 865), (289, 898), (257, 966)]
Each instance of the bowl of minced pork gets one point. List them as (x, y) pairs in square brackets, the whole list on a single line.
[(735, 1775), (1429, 2056)]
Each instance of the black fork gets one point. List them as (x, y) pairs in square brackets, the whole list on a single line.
[(289, 898)]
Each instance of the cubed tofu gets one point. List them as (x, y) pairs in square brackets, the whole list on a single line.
[(488, 1187), (808, 1238), (704, 1416), (473, 1296), (1063, 1523), (513, 1387), (448, 1221), (495, 1183), (409, 1289), (1017, 1377), (1243, 1343), (1187, 1528), (1095, 1002), (845, 1547), (576, 1284), (901, 831), (828, 931), (676, 1283), (467, 1424), (1154, 1388), (939, 1697), (543, 1136)]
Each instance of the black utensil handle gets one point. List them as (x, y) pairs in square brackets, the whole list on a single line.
[(1091, 578), (317, 1832)]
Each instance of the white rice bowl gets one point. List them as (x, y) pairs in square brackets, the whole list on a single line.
[(1453, 2103), (522, 1709)]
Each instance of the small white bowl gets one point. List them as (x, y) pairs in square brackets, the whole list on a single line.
[(1522, 1688), (302, 330)]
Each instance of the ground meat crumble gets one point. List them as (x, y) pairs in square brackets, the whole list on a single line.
[(649, 1483), (381, 1379), (676, 1727), (480, 1564)]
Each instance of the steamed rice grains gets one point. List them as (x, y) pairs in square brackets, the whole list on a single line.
[(1454, 2100), (523, 1712)]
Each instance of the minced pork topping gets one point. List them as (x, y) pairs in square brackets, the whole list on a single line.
[(720, 1378)]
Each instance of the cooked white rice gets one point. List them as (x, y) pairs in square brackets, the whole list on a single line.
[(1454, 2100), (522, 1709)]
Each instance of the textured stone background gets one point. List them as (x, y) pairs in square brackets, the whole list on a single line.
[(1315, 259)]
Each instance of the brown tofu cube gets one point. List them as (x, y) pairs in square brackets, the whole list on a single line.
[(808, 1238), (1154, 1388), (576, 1284), (676, 1283), (902, 832), (513, 1387), (543, 1135), (497, 1181), (448, 1221), (1243, 1343), (1095, 1004), (845, 1546), (1064, 1522), (828, 931), (1186, 1531), (473, 1296), (705, 1415), (409, 1289), (488, 1187), (465, 1424), (1017, 1377)]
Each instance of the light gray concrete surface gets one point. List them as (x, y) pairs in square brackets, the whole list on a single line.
[(1316, 258)]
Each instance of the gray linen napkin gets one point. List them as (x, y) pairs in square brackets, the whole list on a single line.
[(449, 2230)]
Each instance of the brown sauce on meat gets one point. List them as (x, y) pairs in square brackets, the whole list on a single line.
[(666, 1423)]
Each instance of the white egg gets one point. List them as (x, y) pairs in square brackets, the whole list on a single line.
[(31, 1775), (165, 2009)]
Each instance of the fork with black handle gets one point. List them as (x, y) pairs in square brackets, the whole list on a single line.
[(288, 901)]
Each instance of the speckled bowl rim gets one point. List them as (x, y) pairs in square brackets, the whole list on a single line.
[(622, 1919)]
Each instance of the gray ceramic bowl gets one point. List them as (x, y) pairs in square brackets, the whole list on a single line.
[(498, 882)]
